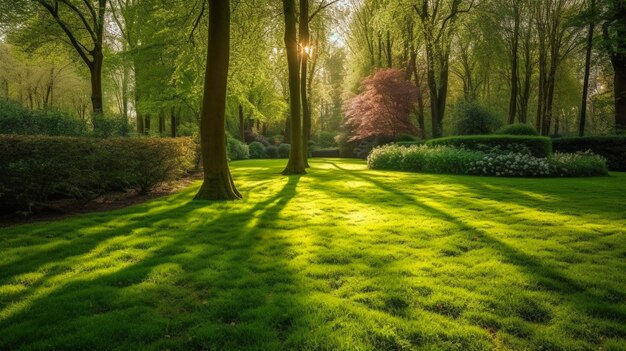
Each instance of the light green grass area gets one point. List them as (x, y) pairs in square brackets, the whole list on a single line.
[(341, 259)]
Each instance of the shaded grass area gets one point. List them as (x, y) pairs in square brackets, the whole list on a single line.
[(344, 258)]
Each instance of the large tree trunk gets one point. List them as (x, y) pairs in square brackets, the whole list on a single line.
[(295, 165), (218, 183), (306, 51)]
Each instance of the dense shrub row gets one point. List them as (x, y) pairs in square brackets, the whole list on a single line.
[(14, 119), (538, 146), (517, 129), (613, 148), (17, 120), (452, 160), (34, 169)]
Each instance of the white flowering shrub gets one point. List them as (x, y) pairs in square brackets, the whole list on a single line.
[(496, 162), (511, 165)]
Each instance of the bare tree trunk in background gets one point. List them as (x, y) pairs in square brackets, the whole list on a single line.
[(583, 105), (389, 50), (296, 164), (514, 62), (218, 183), (173, 124)]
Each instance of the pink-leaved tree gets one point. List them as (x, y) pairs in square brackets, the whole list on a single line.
[(383, 107)]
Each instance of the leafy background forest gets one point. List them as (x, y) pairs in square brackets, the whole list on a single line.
[(508, 61)]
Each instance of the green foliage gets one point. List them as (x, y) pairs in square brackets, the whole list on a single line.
[(536, 145), (443, 160), (328, 152), (271, 151), (450, 160), (236, 149), (517, 129), (283, 150), (406, 138), (613, 148), (257, 150), (34, 168), (578, 164), (473, 119), (409, 143), (326, 139), (346, 148), (14, 119)]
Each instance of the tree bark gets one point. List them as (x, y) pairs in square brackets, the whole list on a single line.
[(305, 52), (619, 83), (218, 183), (95, 71), (296, 164), (583, 103), (173, 124), (514, 64)]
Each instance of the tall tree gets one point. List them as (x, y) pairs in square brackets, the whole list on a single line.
[(296, 164), (614, 40), (218, 183), (75, 18), (438, 19), (583, 105)]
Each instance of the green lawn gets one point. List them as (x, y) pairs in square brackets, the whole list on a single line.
[(341, 259)]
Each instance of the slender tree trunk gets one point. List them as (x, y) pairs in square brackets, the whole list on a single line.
[(619, 83), (161, 123), (146, 123), (525, 90), (296, 164), (305, 52), (96, 82), (514, 64), (173, 125), (389, 50), (583, 104), (218, 183)]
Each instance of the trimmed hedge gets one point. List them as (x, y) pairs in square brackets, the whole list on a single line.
[(35, 169), (283, 150), (331, 152), (257, 150), (410, 143), (613, 148), (15, 119), (537, 146), (517, 129)]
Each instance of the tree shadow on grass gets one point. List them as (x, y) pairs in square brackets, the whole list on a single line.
[(222, 283), (579, 295)]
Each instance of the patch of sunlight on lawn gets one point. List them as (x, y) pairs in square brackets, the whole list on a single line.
[(343, 258)]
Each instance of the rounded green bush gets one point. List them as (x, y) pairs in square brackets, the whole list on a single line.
[(473, 119), (283, 150), (517, 129), (257, 150), (271, 151), (236, 149)]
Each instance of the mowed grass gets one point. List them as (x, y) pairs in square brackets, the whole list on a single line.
[(341, 259)]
